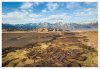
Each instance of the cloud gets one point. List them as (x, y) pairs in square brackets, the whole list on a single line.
[(52, 6), (73, 5), (44, 10), (21, 17), (17, 17), (36, 3), (26, 5), (93, 4), (14, 14), (89, 3), (50, 12), (59, 16), (87, 12)]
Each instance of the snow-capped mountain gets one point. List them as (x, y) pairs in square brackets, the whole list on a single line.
[(64, 26)]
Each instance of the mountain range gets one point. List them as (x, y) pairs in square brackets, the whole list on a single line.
[(63, 26)]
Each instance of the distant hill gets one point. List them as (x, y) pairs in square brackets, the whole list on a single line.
[(62, 26)]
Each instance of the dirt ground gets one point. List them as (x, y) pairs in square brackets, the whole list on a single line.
[(51, 49)]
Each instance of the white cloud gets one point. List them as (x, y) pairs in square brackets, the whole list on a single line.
[(13, 15), (88, 9), (36, 3), (44, 10), (89, 3), (26, 5), (28, 17), (73, 5), (94, 4), (52, 6), (36, 16), (87, 12), (59, 16), (21, 17)]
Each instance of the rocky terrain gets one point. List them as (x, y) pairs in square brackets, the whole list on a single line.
[(50, 49)]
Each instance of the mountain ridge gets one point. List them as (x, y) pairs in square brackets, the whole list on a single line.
[(64, 26)]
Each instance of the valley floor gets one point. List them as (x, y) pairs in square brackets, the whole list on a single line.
[(50, 49)]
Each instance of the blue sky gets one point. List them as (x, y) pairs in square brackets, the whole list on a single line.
[(36, 12)]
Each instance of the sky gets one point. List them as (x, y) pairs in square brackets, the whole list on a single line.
[(51, 12)]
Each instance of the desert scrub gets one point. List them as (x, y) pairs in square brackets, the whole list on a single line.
[(55, 56), (85, 40), (34, 52)]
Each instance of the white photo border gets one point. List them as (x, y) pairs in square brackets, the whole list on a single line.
[(50, 1)]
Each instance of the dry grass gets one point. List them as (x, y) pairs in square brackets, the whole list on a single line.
[(68, 49)]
